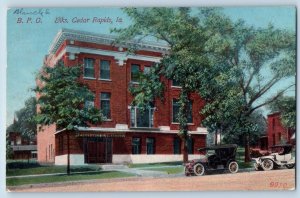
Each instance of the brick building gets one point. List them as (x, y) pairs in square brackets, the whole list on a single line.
[(22, 148), (126, 136), (277, 133)]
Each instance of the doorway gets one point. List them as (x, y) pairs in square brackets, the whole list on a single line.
[(97, 150)]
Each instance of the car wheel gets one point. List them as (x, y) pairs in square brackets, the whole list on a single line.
[(267, 165), (199, 169), (233, 167), (186, 171), (256, 166), (290, 166)]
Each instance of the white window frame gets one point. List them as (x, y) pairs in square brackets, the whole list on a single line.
[(172, 122), (151, 121), (106, 119), (88, 66), (105, 79)]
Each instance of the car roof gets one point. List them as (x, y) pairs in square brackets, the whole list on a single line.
[(282, 145), (214, 147)]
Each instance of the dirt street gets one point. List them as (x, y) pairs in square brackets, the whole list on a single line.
[(262, 180)]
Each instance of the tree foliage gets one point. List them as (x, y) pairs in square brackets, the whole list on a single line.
[(185, 62), (62, 98), (24, 121), (234, 67), (287, 106)]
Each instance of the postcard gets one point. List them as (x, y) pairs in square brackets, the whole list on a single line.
[(151, 99)]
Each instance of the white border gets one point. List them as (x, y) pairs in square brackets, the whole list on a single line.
[(4, 4)]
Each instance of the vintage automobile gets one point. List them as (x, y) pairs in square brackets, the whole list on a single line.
[(281, 156), (219, 157)]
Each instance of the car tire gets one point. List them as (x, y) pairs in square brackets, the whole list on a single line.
[(233, 167), (290, 166), (256, 166), (267, 164), (186, 172), (199, 169)]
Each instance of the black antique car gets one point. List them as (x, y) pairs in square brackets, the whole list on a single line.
[(219, 157)]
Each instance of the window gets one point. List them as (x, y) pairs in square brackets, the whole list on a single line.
[(279, 137), (150, 145), (135, 71), (176, 107), (190, 146), (136, 145), (19, 141), (105, 69), (88, 104), (146, 70), (177, 145), (274, 141), (105, 104), (60, 144), (273, 123), (50, 151), (89, 68), (175, 83), (140, 118)]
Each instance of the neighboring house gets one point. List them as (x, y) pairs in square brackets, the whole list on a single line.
[(277, 133), (126, 136), (22, 149)]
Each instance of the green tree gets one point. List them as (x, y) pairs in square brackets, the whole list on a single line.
[(24, 122), (287, 106), (62, 98), (225, 62), (259, 60), (185, 62)]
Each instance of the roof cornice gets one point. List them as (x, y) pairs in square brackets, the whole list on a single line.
[(76, 35)]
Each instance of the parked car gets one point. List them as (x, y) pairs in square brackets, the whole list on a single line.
[(220, 157), (281, 156)]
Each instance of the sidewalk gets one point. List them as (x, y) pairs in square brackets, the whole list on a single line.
[(140, 172)]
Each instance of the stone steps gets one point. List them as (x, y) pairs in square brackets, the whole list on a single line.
[(113, 166)]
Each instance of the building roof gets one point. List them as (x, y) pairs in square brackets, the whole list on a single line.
[(84, 36), (213, 147), (24, 148)]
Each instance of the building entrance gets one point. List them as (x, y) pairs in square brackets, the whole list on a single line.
[(98, 150)]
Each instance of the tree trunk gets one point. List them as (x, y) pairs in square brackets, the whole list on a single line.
[(185, 151), (247, 149), (68, 157), (216, 137)]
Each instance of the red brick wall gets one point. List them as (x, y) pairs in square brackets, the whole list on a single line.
[(76, 144), (276, 128), (22, 155), (121, 97), (120, 100), (45, 138), (123, 145)]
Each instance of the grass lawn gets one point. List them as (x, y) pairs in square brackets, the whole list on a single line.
[(48, 169), (169, 170), (64, 178), (240, 156), (154, 164)]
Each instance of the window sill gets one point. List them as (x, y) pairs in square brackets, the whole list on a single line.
[(89, 78), (134, 83), (177, 123), (176, 87), (145, 128), (107, 120), (107, 80)]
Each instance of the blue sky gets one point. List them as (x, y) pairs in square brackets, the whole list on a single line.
[(27, 44)]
